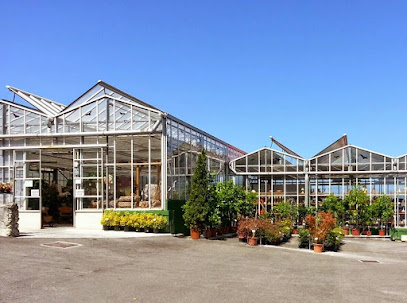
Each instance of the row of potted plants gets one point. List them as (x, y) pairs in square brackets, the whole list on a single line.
[(133, 221), (254, 230), (358, 213)]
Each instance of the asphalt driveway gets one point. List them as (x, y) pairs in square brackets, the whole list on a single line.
[(167, 269)]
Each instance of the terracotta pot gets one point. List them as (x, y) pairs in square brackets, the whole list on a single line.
[(346, 230), (241, 238), (156, 230), (355, 232), (117, 228), (295, 232), (126, 228), (210, 233), (368, 233), (253, 241), (195, 234), (318, 248), (146, 230), (105, 227), (382, 232)]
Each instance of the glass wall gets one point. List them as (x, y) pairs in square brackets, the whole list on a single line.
[(184, 144)]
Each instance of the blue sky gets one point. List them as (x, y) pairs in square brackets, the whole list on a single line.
[(305, 72)]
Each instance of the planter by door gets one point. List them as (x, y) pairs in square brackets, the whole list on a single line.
[(356, 232), (253, 241), (195, 234), (346, 231), (382, 232)]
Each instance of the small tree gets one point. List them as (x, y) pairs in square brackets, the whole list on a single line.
[(320, 226), (336, 207), (357, 201), (382, 209), (247, 206), (197, 207), (284, 211), (232, 200)]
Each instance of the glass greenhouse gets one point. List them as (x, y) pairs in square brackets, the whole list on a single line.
[(106, 149), (280, 174)]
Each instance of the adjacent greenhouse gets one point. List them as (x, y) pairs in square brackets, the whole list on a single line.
[(106, 150), (280, 174)]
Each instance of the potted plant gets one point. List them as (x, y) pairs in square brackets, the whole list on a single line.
[(242, 229), (197, 207), (334, 239), (124, 221), (346, 229), (357, 201), (253, 239), (107, 219), (319, 226), (252, 230), (135, 221), (115, 221), (382, 210), (143, 221), (148, 226), (159, 222)]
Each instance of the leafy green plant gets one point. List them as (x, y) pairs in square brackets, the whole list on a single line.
[(302, 212), (311, 210), (357, 201), (273, 235), (335, 206), (283, 211), (232, 201), (303, 238), (334, 239), (382, 209)]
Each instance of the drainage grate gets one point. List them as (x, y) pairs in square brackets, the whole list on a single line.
[(61, 244), (369, 261)]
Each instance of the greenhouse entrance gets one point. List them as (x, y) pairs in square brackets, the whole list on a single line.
[(51, 185), (56, 184)]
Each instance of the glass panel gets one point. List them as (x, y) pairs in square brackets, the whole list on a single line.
[(336, 160), (377, 162), (363, 160)]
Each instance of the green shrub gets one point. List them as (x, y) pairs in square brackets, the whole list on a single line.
[(303, 238), (273, 235), (286, 232), (334, 239)]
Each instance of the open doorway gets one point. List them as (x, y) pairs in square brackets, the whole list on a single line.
[(57, 188)]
